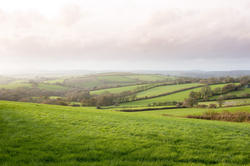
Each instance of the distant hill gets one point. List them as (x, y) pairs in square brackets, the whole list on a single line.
[(202, 74), (187, 73)]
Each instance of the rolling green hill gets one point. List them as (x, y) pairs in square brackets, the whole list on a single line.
[(36, 134), (112, 80)]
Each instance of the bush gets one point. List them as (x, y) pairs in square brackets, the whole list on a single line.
[(224, 116), (212, 106), (75, 105), (201, 106)]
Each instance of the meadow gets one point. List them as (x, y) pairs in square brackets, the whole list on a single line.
[(37, 134)]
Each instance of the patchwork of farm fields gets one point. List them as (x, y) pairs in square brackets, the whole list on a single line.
[(37, 134), (180, 96), (119, 89), (227, 103), (165, 89), (114, 79), (237, 93)]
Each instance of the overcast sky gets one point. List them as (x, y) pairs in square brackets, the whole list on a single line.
[(124, 34)]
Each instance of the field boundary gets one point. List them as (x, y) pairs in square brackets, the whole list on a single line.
[(166, 94), (148, 109)]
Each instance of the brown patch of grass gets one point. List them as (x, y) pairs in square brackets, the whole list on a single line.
[(223, 116)]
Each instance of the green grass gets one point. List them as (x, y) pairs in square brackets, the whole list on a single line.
[(51, 87), (36, 134), (180, 96), (165, 89)]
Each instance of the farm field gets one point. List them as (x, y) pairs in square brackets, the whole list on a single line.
[(237, 93), (119, 89), (112, 80), (165, 89), (233, 102), (58, 135), (180, 96)]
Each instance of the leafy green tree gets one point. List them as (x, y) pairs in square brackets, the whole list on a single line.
[(206, 92), (220, 101)]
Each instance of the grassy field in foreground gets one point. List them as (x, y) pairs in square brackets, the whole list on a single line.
[(165, 89), (180, 96), (36, 134)]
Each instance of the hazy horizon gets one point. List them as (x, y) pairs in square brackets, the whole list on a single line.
[(124, 35)]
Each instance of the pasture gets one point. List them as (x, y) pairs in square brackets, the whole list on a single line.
[(37, 134)]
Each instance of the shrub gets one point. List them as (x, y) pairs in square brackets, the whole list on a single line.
[(75, 105), (223, 116), (212, 106), (201, 106)]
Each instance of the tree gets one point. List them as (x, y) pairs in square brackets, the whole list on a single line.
[(206, 92), (190, 102), (217, 91), (220, 101), (195, 95)]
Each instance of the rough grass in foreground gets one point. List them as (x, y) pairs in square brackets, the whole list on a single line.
[(36, 134), (224, 116)]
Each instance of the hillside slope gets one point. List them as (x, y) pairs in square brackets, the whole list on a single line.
[(36, 134)]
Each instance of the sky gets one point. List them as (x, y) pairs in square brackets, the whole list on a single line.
[(124, 35)]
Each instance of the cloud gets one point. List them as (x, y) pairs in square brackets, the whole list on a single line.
[(164, 34)]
